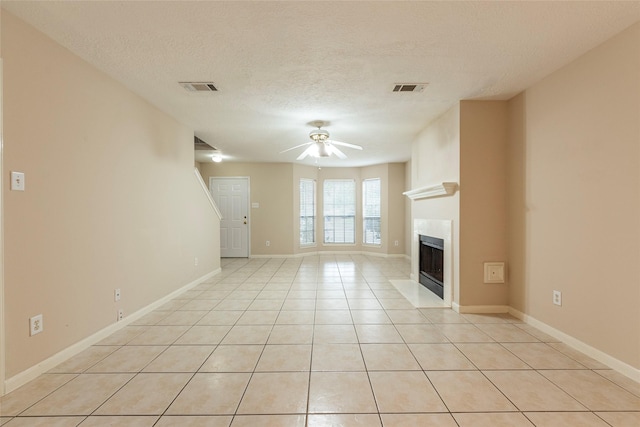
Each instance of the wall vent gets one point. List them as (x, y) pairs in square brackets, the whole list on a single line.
[(409, 87), (199, 86)]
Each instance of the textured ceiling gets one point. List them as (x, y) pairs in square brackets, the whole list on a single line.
[(281, 65)]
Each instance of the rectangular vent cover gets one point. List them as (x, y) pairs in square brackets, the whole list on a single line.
[(199, 86), (409, 87)]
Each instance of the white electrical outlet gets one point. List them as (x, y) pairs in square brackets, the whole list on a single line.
[(35, 325), (116, 295), (268, 243), (120, 314), (557, 298), (195, 261), (395, 243)]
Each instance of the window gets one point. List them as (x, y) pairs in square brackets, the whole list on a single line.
[(371, 211), (307, 212), (339, 211)]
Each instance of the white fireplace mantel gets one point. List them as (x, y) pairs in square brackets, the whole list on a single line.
[(442, 189)]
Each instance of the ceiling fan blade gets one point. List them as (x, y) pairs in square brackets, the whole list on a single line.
[(344, 144), (297, 146), (306, 152), (333, 149)]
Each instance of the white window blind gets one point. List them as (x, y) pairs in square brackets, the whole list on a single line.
[(339, 197), (371, 211), (307, 211)]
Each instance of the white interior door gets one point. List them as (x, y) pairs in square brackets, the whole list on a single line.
[(232, 197)]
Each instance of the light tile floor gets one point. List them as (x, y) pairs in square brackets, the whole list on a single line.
[(322, 341)]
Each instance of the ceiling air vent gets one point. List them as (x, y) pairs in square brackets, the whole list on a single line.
[(409, 87), (199, 144), (199, 86)]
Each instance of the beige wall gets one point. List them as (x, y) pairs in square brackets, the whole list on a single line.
[(276, 187), (111, 199), (2, 317), (435, 159), (575, 198), (271, 186), (483, 199), (396, 208)]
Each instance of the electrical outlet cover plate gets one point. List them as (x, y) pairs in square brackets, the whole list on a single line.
[(557, 298), (494, 272), (35, 325)]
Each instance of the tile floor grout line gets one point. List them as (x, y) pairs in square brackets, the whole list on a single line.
[(329, 280)]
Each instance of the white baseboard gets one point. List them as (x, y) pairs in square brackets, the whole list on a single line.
[(277, 256), (573, 342), (316, 253), (481, 309), (33, 372), (594, 353)]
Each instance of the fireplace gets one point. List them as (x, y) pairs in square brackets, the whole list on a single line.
[(431, 261)]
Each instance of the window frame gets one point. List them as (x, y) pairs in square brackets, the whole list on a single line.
[(301, 216), (345, 208), (365, 218)]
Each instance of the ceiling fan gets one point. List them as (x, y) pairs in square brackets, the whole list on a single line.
[(322, 146)]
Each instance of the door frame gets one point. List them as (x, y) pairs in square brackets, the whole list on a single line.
[(248, 179)]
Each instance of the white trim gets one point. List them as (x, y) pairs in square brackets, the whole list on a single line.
[(594, 353), (437, 190), (483, 309), (316, 253), (208, 193), (25, 376), (315, 212)]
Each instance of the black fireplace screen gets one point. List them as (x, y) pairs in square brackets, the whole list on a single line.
[(432, 263)]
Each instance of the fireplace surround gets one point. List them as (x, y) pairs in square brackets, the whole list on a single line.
[(432, 264), (441, 229)]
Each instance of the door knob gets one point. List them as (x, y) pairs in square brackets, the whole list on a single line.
[(245, 219)]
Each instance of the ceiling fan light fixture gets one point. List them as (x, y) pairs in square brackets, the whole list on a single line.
[(323, 150), (319, 135), (217, 158), (322, 146)]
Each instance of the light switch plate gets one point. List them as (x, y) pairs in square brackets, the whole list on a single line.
[(494, 272), (17, 181)]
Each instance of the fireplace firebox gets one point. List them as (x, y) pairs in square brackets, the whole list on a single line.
[(431, 264)]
